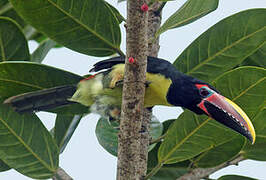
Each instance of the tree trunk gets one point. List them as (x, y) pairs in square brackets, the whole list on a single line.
[(137, 168), (154, 22), (128, 166)]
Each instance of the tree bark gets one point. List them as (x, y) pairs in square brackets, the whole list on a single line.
[(154, 22), (128, 166)]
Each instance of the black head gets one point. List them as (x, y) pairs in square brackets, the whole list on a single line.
[(188, 92), (202, 98)]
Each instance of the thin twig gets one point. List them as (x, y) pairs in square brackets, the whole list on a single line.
[(199, 173), (159, 139)]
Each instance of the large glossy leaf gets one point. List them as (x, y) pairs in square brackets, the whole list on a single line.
[(258, 150), (190, 134), (39, 54), (86, 26), (224, 45), (221, 153), (65, 126), (26, 145), (167, 171), (13, 44), (235, 177), (3, 166), (188, 13), (2, 3), (117, 14), (167, 124), (257, 59), (20, 77), (107, 134), (7, 10)]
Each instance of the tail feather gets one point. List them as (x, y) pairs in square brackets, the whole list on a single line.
[(42, 100)]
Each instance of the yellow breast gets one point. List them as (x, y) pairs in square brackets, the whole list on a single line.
[(156, 91)]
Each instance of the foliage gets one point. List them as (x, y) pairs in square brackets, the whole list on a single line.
[(107, 134), (230, 55)]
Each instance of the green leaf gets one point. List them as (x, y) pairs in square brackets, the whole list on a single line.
[(21, 77), (86, 26), (224, 151), (65, 126), (225, 45), (39, 54), (107, 134), (258, 150), (3, 2), (191, 135), (117, 14), (167, 171), (257, 59), (156, 130), (188, 13), (7, 10), (26, 145), (3, 166), (13, 44), (235, 177), (167, 124)]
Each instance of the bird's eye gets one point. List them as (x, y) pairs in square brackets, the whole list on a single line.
[(204, 92)]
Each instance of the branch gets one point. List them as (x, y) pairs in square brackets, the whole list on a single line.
[(199, 173), (154, 23), (129, 137), (159, 139), (153, 48), (61, 175)]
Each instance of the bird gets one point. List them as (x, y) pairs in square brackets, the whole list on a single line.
[(165, 85)]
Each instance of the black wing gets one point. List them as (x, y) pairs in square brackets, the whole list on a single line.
[(155, 65), (108, 63)]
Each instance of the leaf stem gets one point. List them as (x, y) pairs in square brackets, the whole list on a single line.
[(153, 171), (159, 139), (120, 52), (199, 173), (61, 175), (29, 32)]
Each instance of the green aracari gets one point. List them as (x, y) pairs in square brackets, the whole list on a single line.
[(165, 85)]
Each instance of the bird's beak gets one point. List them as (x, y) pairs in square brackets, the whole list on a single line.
[(228, 113)]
